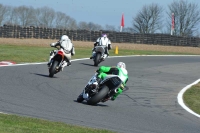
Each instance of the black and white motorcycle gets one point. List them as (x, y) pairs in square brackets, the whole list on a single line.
[(99, 55), (95, 92)]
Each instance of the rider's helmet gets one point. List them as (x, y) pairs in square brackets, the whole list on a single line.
[(121, 65), (104, 35), (64, 38)]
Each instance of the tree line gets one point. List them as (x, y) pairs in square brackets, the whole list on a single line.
[(149, 20)]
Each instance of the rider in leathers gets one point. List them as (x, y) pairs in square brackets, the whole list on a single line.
[(68, 48), (102, 41), (119, 70)]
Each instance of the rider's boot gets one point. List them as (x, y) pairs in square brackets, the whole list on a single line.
[(64, 65), (104, 57), (92, 56), (69, 63), (48, 64), (93, 53)]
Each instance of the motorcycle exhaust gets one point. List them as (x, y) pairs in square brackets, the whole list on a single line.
[(116, 90)]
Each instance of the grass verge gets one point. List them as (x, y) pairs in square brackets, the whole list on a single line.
[(192, 98), (17, 124), (30, 54)]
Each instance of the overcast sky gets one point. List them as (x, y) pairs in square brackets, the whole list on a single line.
[(99, 12)]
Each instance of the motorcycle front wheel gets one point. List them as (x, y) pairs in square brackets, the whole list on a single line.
[(80, 98), (52, 69), (99, 96)]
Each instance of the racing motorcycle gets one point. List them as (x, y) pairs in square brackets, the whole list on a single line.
[(95, 92), (99, 56), (56, 62)]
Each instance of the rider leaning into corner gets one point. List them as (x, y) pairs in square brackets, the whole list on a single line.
[(102, 41), (68, 48), (119, 70)]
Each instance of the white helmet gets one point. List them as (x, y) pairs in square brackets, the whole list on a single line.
[(121, 65), (64, 38)]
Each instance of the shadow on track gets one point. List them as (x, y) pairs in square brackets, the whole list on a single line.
[(85, 103), (86, 64), (42, 75)]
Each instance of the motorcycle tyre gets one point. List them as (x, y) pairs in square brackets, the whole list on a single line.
[(97, 59), (99, 96), (52, 69), (80, 98)]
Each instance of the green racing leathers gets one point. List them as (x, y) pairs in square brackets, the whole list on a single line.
[(121, 72)]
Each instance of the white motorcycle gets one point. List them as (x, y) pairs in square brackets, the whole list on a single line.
[(95, 92), (56, 62), (99, 55)]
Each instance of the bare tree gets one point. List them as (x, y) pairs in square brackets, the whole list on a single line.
[(61, 20), (148, 20), (93, 26), (89, 26), (83, 25), (4, 10), (65, 22), (110, 28), (24, 16), (187, 17), (12, 17), (128, 29), (98, 27), (72, 24), (45, 17)]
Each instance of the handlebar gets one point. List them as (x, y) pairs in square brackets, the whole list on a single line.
[(58, 47)]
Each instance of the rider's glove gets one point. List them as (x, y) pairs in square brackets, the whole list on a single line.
[(112, 98), (97, 71), (52, 44), (95, 44)]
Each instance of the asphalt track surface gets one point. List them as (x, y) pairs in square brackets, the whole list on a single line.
[(149, 106)]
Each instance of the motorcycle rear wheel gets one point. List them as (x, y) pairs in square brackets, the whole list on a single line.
[(99, 96)]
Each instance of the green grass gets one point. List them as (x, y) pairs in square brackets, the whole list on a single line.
[(17, 124), (28, 54), (192, 98), (21, 54), (31, 54)]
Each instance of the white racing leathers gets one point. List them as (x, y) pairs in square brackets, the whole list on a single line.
[(103, 41), (68, 48)]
